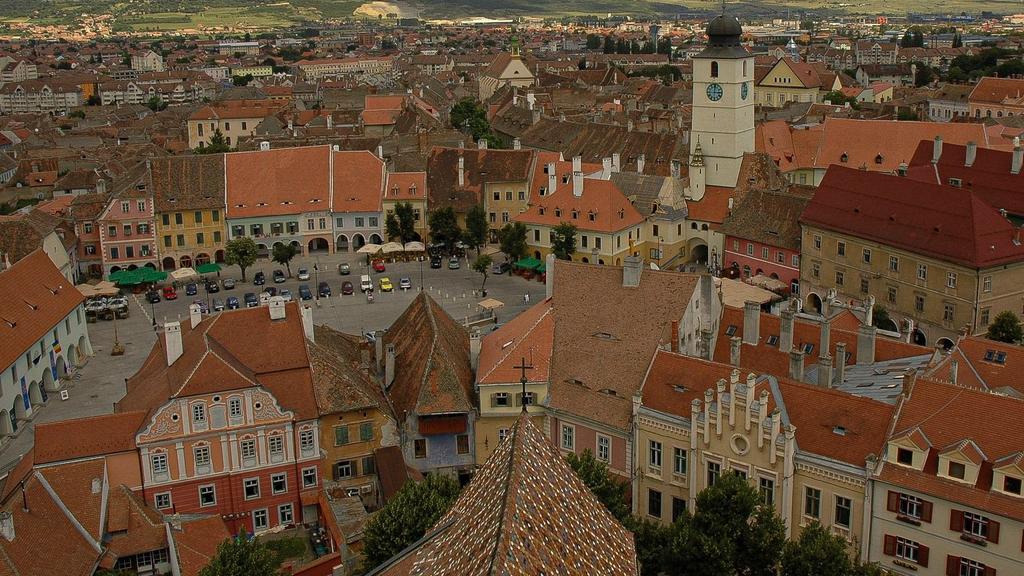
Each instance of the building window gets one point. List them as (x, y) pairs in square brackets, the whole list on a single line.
[(984, 316), (815, 270), (499, 399), (951, 280), (679, 461), (894, 264), (251, 488), (909, 506), (604, 448), (260, 519), (158, 463), (947, 312), (764, 252), (654, 503), (199, 413), (922, 271), (207, 495), (841, 249), (655, 454), (867, 256), (907, 550), (750, 249), (202, 456), (970, 568), (714, 471), (248, 449), (568, 437), (285, 515), (235, 407), (919, 302), (369, 465), (340, 435), (714, 69), (975, 525), (200, 238), (197, 217), (366, 431), (178, 218), (275, 444), (905, 456), (462, 443), (844, 510), (986, 284), (956, 470), (678, 508), (420, 447), (125, 207), (839, 278), (162, 500), (306, 443), (865, 286), (502, 434), (891, 295), (817, 242), (812, 502), (279, 483), (766, 486), (1011, 484), (343, 469), (309, 477), (780, 257)]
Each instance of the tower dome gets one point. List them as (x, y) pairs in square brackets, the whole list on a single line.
[(724, 30)]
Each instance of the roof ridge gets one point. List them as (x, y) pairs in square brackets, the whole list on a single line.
[(511, 470), (516, 344)]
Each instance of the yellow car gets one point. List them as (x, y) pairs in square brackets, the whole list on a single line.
[(385, 285)]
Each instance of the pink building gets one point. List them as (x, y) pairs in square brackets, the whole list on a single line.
[(751, 258), (84, 211), (126, 225)]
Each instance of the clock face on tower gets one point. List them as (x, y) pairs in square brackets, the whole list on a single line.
[(714, 92), (744, 89)]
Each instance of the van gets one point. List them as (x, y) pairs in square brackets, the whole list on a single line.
[(365, 283)]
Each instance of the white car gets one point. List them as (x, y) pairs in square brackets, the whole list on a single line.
[(303, 274), (365, 283)]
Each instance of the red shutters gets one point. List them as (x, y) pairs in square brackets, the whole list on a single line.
[(993, 531), (926, 511), (990, 571), (893, 504), (922, 555), (952, 566), (956, 520), (890, 544)]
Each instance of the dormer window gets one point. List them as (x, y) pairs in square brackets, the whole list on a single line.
[(1012, 485), (879, 159), (541, 209), (905, 456), (558, 212), (574, 214), (844, 158), (956, 470), (591, 216)]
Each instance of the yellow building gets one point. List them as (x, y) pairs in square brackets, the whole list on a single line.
[(233, 119), (411, 188), (188, 200), (790, 81)]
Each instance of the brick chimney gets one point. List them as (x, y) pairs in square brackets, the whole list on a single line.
[(840, 370), (1018, 160), (751, 323), (640, 161)]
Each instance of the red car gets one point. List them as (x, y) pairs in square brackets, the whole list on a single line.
[(378, 265), (169, 293)]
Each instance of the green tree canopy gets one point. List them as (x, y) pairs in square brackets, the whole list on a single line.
[(406, 221), (1005, 327), (444, 227), (283, 254), (241, 252), (563, 241), (241, 556), (482, 264), (476, 227), (407, 517), (218, 144), (817, 552), (512, 239), (595, 474)]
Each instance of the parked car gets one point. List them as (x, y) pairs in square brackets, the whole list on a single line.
[(344, 269), (191, 289), (271, 290), (303, 274), (259, 279), (404, 283), (233, 303), (279, 276), (228, 283), (385, 284), (251, 301), (170, 293), (500, 267), (453, 263), (218, 305), (378, 266), (435, 261), (286, 294), (365, 283), (346, 288), (203, 307), (304, 292), (212, 287), (324, 289), (152, 296)]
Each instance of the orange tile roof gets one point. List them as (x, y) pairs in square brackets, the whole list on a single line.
[(528, 335), (79, 487), (251, 110), (379, 117), (383, 102), (358, 181), (998, 91), (93, 436), (611, 210), (196, 543), (406, 186), (278, 181)]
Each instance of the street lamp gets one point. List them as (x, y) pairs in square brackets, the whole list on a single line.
[(421, 272), (152, 312)]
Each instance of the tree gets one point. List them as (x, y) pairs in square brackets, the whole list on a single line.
[(880, 318), (237, 556), (563, 241), (958, 40), (393, 227), (594, 473), (407, 517), (217, 144), (241, 80), (155, 103), (652, 541), (609, 45), (512, 239), (1005, 328), (817, 552), (242, 252), (476, 228), (406, 221), (593, 41), (482, 264), (283, 254), (469, 115), (731, 533), (444, 227), (94, 100)]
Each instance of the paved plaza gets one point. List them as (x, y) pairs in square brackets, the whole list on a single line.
[(101, 381)]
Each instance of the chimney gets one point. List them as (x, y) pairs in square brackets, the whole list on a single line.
[(972, 153), (195, 315), (264, 146), (751, 323), (534, 114), (677, 169), (866, 344), (796, 365), (616, 162), (954, 368), (629, 125), (552, 178), (825, 371), (517, 144), (276, 308), (825, 345), (7, 526), (632, 267), (481, 144), (735, 343), (380, 152), (172, 341), (378, 350), (640, 161), (307, 323), (840, 369), (577, 163), (549, 276), (577, 184), (786, 328), (1018, 160), (937, 150), (389, 367), (330, 121), (606, 168), (675, 336), (474, 349), (462, 171)]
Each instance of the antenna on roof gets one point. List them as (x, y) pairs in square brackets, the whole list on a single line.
[(24, 498)]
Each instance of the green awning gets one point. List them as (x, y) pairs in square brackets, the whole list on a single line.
[(148, 274), (127, 277), (529, 263), (208, 268), (542, 269)]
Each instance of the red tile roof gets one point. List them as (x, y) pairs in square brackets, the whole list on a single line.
[(988, 176), (998, 91), (358, 181), (196, 543), (92, 436), (531, 335), (406, 186), (278, 181), (600, 199)]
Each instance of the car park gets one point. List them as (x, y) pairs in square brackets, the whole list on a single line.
[(453, 263), (218, 305), (202, 306), (378, 266), (304, 292), (170, 293), (191, 289), (279, 276), (251, 301), (385, 284), (271, 290), (233, 303), (152, 296), (119, 306), (259, 279), (324, 289), (435, 261), (365, 283), (228, 283), (404, 283), (212, 288), (286, 294), (344, 269), (346, 288)]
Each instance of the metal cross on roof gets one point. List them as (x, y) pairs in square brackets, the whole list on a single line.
[(523, 367)]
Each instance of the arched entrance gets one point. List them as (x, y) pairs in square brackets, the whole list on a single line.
[(34, 397), (918, 337), (218, 256), (585, 260), (318, 245), (73, 356), (48, 383), (888, 324), (168, 264), (262, 251), (151, 265), (946, 343), (813, 303), (376, 239), (17, 410), (341, 244), (133, 267), (115, 269), (83, 351), (6, 426), (62, 364), (358, 241), (697, 249), (186, 261), (202, 259), (601, 262)]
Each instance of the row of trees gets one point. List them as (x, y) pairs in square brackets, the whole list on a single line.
[(613, 45)]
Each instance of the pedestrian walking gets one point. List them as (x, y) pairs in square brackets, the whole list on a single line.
[(526, 298)]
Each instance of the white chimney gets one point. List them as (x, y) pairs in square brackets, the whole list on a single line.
[(276, 307), (389, 366), (616, 165), (380, 152), (517, 144), (172, 341), (577, 163), (606, 168), (307, 323), (972, 153), (954, 368), (735, 345), (7, 526), (577, 184), (825, 334), (195, 315), (632, 269), (335, 148), (840, 371), (796, 365), (640, 161), (474, 348), (264, 146), (1018, 160), (751, 323), (866, 344), (330, 121), (481, 144), (462, 171), (786, 329), (937, 150), (824, 370), (552, 178)]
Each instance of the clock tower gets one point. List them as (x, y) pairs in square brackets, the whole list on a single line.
[(723, 103)]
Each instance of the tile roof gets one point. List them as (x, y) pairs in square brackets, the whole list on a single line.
[(392, 471), (528, 335), (339, 381), (133, 527), (998, 91), (357, 181), (188, 182), (78, 486), (480, 167), (984, 364), (21, 233), (524, 513), (93, 436), (768, 217), (601, 200), (989, 176), (406, 186), (939, 221), (278, 181), (251, 109), (34, 297), (196, 542), (432, 368)]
